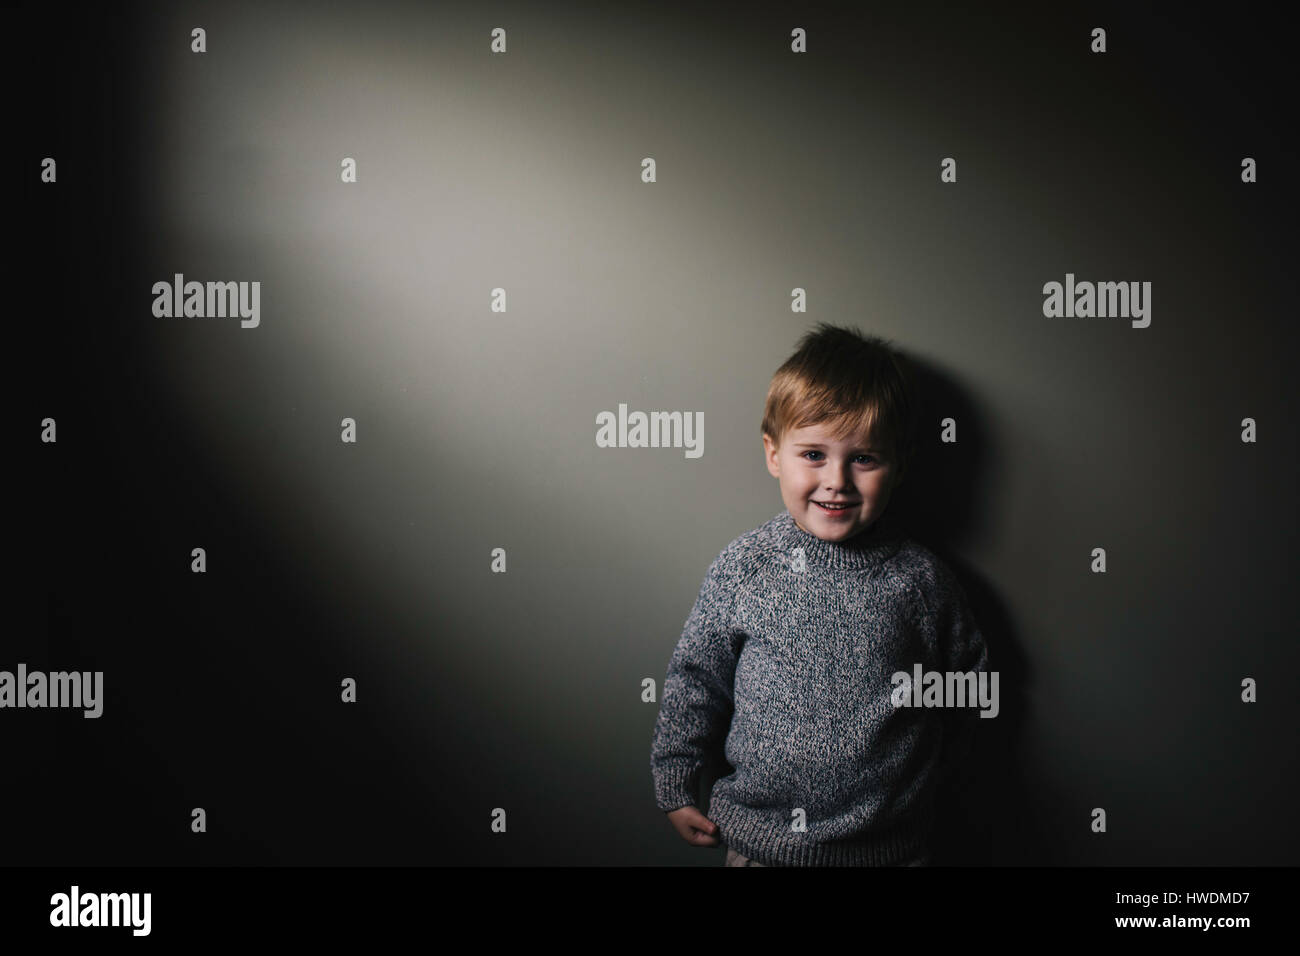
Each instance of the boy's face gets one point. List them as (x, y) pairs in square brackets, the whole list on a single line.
[(813, 467)]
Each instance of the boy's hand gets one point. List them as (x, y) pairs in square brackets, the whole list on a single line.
[(695, 828)]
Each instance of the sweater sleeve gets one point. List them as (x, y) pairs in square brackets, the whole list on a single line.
[(961, 649), (961, 643), (696, 707)]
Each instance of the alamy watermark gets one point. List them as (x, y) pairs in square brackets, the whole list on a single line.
[(75, 908), (57, 689), (198, 300), (1125, 300), (651, 430), (946, 689)]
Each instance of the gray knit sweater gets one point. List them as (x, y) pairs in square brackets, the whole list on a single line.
[(784, 665)]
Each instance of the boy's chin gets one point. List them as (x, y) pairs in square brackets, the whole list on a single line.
[(843, 530), (832, 530)]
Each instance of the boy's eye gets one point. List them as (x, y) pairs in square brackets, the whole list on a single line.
[(814, 452)]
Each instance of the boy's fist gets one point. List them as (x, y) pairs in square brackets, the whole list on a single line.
[(695, 828)]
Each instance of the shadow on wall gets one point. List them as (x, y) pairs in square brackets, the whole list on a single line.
[(988, 812)]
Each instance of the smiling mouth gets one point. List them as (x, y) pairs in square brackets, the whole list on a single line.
[(840, 506)]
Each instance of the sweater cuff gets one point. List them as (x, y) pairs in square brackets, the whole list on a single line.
[(675, 787)]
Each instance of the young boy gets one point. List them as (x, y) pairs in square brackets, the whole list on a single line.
[(789, 661)]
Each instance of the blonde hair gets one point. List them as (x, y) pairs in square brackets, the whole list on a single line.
[(858, 382)]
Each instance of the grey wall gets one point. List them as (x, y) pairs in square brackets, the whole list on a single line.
[(477, 428)]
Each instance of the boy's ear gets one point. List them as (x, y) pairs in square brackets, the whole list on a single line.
[(768, 446)]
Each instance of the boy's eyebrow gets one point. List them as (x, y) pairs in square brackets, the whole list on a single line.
[(817, 444)]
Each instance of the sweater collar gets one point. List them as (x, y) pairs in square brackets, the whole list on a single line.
[(866, 549)]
